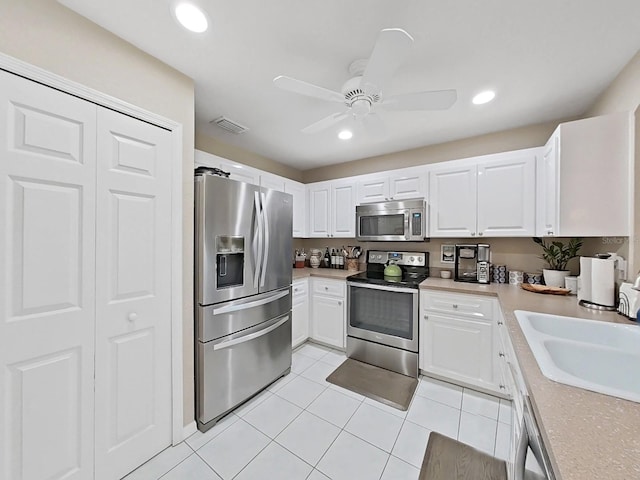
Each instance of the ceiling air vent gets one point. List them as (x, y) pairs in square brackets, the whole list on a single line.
[(229, 126)]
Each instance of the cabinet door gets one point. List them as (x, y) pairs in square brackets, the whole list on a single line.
[(460, 349), (319, 208), (299, 193), (453, 202), (409, 185), (273, 182), (373, 190), (133, 294), (506, 196), (328, 317), (242, 173), (343, 210), (300, 313), (47, 293), (547, 189)]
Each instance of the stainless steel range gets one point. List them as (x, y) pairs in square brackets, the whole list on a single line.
[(382, 326)]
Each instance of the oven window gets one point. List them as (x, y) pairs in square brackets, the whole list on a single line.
[(375, 225), (382, 311)]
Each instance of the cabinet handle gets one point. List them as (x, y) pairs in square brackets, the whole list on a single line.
[(426, 317), (326, 288), (132, 317), (480, 234), (473, 234), (550, 232), (295, 289), (339, 302), (503, 387), (501, 355), (454, 305), (500, 323)]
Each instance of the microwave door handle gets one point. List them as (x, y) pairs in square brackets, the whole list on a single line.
[(265, 228), (407, 234), (257, 241)]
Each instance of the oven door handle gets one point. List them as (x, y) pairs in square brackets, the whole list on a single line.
[(414, 291)]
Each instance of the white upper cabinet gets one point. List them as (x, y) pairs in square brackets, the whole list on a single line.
[(506, 195), (491, 196), (273, 182), (332, 209), (299, 192), (240, 172), (583, 179), (396, 185), (452, 201)]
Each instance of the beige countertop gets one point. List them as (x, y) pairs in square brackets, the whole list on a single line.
[(589, 435), (322, 272)]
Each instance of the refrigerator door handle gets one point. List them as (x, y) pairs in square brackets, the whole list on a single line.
[(265, 226), (257, 252), (255, 303), (251, 336)]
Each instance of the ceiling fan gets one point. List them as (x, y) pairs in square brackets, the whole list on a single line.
[(365, 92)]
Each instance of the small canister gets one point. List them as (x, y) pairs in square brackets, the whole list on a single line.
[(533, 278), (516, 277), (500, 274)]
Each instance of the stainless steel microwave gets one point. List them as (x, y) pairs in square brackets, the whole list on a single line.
[(396, 221)]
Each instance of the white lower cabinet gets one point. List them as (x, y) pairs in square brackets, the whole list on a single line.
[(458, 338), (300, 312), (328, 311)]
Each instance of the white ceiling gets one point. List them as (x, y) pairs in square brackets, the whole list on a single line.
[(546, 59)]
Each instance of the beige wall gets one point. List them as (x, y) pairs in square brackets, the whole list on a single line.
[(516, 253), (211, 145), (46, 34), (623, 94), (515, 139)]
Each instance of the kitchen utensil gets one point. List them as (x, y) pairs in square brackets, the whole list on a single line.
[(544, 289), (392, 270)]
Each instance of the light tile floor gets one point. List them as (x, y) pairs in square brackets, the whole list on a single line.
[(302, 427)]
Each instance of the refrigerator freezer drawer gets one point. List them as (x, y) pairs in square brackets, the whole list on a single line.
[(222, 319), (234, 368)]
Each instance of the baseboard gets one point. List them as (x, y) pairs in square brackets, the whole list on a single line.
[(189, 430)]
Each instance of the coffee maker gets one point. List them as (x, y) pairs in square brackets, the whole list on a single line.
[(472, 262)]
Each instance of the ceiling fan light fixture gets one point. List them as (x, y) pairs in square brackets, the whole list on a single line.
[(345, 134), (484, 97), (191, 17)]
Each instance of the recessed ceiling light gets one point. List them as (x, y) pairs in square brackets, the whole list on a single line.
[(484, 97), (345, 135), (191, 17)]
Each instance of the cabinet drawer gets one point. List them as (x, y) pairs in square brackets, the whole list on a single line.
[(300, 289), (334, 288), (471, 306)]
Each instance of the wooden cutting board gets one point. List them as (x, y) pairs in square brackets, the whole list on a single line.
[(545, 289)]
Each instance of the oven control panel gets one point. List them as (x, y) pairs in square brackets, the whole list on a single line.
[(411, 259)]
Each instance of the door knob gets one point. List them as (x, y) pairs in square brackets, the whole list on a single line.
[(132, 317)]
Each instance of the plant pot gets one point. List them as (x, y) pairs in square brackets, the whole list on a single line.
[(555, 278)]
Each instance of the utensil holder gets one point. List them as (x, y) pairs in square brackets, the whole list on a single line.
[(352, 264)]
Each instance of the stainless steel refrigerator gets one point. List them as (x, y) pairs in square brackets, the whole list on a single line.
[(243, 292)]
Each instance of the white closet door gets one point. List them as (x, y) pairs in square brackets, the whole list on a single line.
[(47, 251), (133, 276)]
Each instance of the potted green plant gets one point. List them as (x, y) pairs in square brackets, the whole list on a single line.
[(557, 255)]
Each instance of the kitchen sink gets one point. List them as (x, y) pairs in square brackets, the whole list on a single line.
[(598, 356)]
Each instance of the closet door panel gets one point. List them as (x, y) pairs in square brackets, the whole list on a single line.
[(47, 304), (133, 329)]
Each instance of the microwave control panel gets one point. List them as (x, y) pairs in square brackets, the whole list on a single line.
[(416, 223)]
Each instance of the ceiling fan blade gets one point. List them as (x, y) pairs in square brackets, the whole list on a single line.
[(391, 50), (434, 100), (374, 125), (308, 89), (326, 122)]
